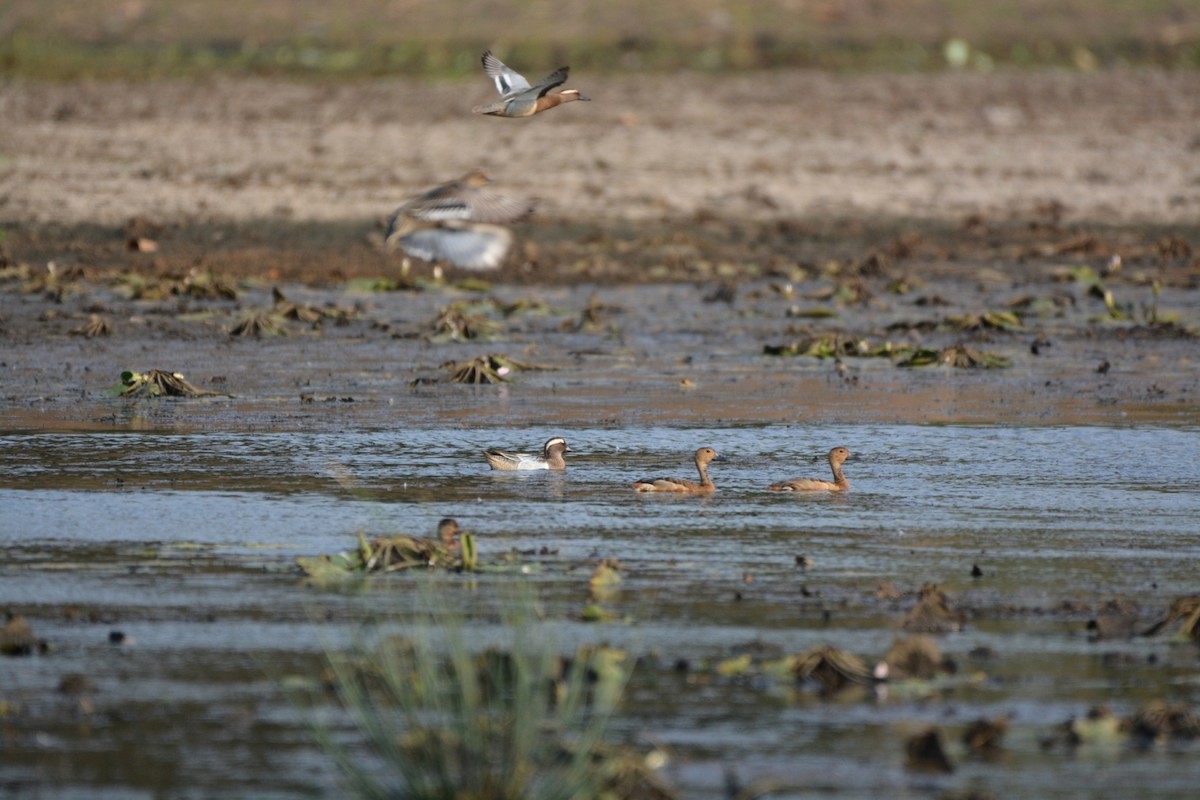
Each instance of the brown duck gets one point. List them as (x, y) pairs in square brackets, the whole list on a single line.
[(704, 456), (837, 457)]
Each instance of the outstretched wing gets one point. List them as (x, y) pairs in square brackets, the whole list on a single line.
[(556, 78), (508, 81), (466, 204)]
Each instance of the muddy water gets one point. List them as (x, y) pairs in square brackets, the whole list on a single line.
[(177, 523), (185, 542)]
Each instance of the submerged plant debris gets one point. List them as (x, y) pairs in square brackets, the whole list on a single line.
[(1183, 617), (259, 323), (96, 325), (394, 553), (836, 345), (959, 355), (160, 383), (932, 613), (484, 369), (17, 639), (462, 321)]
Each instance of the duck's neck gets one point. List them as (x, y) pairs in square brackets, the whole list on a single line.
[(838, 477), (552, 100), (555, 459), (702, 468)]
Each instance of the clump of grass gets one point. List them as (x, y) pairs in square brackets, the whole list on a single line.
[(441, 719)]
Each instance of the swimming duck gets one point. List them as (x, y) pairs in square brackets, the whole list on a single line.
[(837, 457), (517, 97), (551, 457), (459, 221), (704, 456)]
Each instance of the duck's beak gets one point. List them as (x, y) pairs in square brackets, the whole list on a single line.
[(584, 98), (719, 457)]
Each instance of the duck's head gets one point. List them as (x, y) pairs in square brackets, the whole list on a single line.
[(476, 179), (557, 443), (568, 95), (447, 530)]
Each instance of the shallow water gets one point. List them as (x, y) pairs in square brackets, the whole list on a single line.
[(186, 543)]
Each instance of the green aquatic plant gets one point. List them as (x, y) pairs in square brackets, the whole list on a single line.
[(442, 719)]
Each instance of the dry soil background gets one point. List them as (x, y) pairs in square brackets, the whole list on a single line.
[(1112, 147)]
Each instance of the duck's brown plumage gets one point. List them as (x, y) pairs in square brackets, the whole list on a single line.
[(837, 457), (704, 456)]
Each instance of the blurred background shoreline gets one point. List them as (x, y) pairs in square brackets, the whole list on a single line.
[(106, 39)]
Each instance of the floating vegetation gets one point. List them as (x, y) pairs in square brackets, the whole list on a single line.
[(96, 325), (205, 285), (452, 550), (524, 306), (1158, 721), (159, 383), (932, 613), (595, 315), (912, 658), (1155, 722), (259, 323), (834, 345), (53, 281), (307, 314), (994, 320), (462, 321), (603, 587), (985, 736), (373, 285), (1184, 611), (852, 290), (289, 310), (959, 355), (811, 313), (828, 345), (1099, 726), (831, 668), (17, 639), (925, 753)]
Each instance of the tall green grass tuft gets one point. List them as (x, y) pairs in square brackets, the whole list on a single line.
[(440, 718)]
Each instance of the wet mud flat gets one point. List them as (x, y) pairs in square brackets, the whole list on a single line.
[(151, 542), (1017, 383)]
